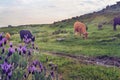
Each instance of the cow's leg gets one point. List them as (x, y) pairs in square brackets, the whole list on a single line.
[(21, 37), (80, 34), (114, 27), (73, 31), (75, 34), (84, 37)]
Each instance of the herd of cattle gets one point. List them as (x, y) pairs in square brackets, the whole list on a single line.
[(23, 35), (79, 28)]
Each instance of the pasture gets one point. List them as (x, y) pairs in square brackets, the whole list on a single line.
[(62, 40)]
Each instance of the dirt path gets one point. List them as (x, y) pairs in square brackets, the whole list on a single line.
[(104, 60)]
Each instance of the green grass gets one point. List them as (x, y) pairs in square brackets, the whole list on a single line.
[(92, 46), (99, 42), (71, 70)]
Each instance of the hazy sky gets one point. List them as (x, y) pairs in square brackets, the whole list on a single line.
[(16, 12)]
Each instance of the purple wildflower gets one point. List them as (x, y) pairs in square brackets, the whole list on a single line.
[(26, 36), (27, 41), (6, 60), (33, 46), (0, 58), (33, 38), (24, 49), (19, 49), (11, 44), (20, 46), (3, 50), (10, 74), (25, 75), (36, 48), (41, 66), (6, 68), (1, 36), (1, 43), (16, 49), (31, 69), (29, 52), (52, 74), (10, 51), (35, 62), (4, 40)]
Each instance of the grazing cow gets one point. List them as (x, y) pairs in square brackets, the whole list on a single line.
[(80, 28), (7, 36), (26, 33), (116, 22), (100, 26)]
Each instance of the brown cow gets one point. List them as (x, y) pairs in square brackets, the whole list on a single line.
[(7, 36), (80, 28)]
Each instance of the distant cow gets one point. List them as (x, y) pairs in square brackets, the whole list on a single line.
[(80, 28), (116, 22), (26, 33), (7, 36), (100, 26)]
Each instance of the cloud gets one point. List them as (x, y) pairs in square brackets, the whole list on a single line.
[(17, 12), (26, 1)]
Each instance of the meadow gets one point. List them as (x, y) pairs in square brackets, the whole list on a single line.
[(99, 43)]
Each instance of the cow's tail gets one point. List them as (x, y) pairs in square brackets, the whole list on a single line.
[(114, 27)]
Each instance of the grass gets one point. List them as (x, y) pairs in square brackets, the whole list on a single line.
[(92, 46), (72, 70), (99, 42)]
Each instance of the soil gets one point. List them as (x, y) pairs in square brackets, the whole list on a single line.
[(103, 60)]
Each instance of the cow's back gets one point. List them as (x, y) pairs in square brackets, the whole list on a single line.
[(79, 27), (7, 36), (117, 20), (25, 32), (22, 32)]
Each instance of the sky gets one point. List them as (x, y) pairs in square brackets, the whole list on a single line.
[(21, 12)]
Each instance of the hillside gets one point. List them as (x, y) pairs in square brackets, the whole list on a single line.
[(96, 58), (104, 16)]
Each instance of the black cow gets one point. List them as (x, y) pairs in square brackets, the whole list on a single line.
[(100, 26), (27, 33), (116, 22)]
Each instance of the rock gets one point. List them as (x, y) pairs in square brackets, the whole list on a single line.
[(60, 39)]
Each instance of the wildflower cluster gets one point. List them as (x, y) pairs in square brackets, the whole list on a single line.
[(17, 63), (27, 40), (6, 69)]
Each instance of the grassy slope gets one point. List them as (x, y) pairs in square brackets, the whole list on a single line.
[(98, 43), (72, 70)]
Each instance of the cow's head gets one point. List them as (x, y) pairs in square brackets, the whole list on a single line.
[(85, 35)]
